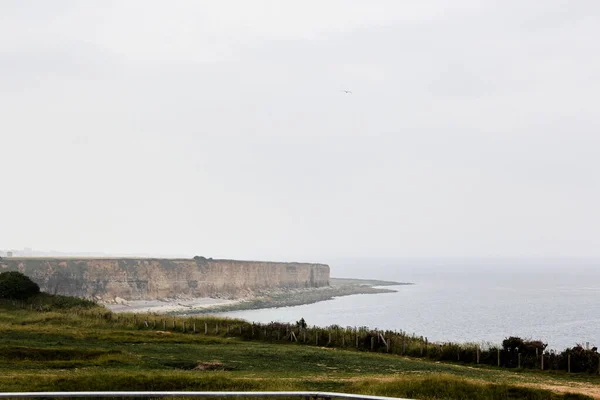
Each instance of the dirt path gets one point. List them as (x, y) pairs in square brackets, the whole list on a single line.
[(556, 386)]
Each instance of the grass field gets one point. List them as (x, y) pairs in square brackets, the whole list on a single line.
[(71, 349)]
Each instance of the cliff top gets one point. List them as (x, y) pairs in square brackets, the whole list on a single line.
[(86, 258)]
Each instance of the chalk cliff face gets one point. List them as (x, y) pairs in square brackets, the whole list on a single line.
[(144, 279)]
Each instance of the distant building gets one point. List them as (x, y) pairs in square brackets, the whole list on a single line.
[(9, 254)]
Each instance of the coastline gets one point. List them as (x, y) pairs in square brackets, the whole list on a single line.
[(270, 298)]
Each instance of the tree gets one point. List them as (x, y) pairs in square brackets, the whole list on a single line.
[(301, 323), (15, 285)]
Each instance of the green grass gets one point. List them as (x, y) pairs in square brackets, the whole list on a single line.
[(84, 348)]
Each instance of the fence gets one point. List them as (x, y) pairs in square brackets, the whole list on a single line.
[(511, 355)]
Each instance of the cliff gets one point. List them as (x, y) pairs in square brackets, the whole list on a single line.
[(106, 279)]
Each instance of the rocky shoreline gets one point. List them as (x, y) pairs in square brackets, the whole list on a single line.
[(271, 298)]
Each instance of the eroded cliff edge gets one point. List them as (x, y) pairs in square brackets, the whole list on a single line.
[(107, 279)]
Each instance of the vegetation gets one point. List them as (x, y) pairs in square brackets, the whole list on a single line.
[(14, 285), (51, 344)]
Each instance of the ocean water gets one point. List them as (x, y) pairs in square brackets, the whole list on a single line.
[(483, 302)]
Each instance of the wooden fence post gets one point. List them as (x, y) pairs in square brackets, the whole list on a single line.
[(403, 345), (206, 328), (194, 326), (542, 362), (498, 357), (519, 360), (174, 323), (478, 354), (183, 326), (316, 337), (569, 363), (372, 343), (164, 324)]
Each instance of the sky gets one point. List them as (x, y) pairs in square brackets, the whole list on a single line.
[(222, 129)]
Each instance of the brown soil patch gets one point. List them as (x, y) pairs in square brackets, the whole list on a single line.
[(587, 389), (210, 366)]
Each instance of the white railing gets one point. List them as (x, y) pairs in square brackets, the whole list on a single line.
[(305, 395)]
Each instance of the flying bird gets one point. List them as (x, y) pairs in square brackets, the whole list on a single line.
[(347, 91)]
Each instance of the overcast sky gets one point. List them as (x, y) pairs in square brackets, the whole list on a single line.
[(222, 129)]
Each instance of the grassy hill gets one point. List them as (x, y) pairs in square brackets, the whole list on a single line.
[(56, 344)]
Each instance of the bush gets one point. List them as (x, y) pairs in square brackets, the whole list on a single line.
[(530, 351), (582, 360), (16, 286)]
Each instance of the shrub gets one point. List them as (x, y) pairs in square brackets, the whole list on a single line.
[(582, 360), (16, 286)]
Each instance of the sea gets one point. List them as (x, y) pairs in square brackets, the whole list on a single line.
[(465, 301)]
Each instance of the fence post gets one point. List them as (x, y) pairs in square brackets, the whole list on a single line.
[(498, 357), (403, 345), (372, 343), (569, 363), (183, 326), (519, 360), (206, 328), (316, 337), (164, 324), (478, 354), (174, 324), (542, 362), (357, 345)]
